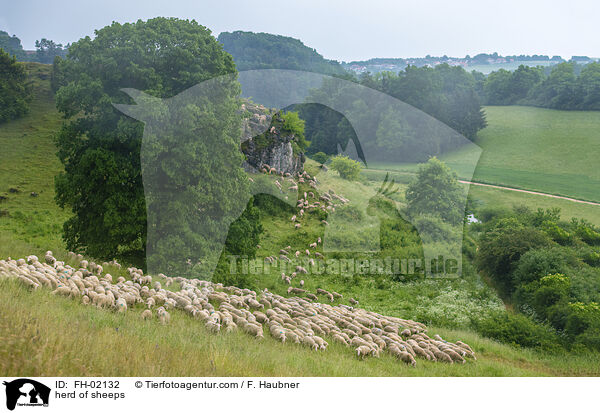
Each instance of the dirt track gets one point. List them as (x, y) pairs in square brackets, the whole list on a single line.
[(530, 192)]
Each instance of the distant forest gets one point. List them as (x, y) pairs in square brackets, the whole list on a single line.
[(45, 50), (437, 85), (270, 51), (567, 86)]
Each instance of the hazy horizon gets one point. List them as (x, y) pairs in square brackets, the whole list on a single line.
[(343, 31)]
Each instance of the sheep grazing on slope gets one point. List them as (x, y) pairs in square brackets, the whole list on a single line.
[(254, 330), (294, 290), (363, 351), (121, 305), (294, 319), (163, 316), (213, 326), (310, 343)]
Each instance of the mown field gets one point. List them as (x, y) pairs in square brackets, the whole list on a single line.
[(542, 150), (44, 335)]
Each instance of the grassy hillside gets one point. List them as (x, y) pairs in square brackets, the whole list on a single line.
[(28, 164), (543, 150), (48, 335), (539, 149), (569, 209)]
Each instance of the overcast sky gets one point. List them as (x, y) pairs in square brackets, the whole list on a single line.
[(342, 29)]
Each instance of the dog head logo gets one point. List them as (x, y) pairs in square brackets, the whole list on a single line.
[(195, 187), (26, 392)]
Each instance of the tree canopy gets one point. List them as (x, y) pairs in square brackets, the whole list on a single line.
[(436, 191), (47, 50), (100, 147), (11, 45), (15, 92), (567, 86), (269, 51)]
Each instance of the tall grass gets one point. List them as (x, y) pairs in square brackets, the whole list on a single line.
[(44, 335)]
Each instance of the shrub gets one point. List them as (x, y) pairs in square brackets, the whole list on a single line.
[(545, 294), (490, 213), (502, 246), (320, 157), (347, 168), (244, 233), (517, 329), (581, 317), (294, 125), (556, 232), (536, 263), (590, 338), (433, 228), (271, 205), (589, 235)]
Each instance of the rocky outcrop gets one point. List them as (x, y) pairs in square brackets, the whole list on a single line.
[(265, 142)]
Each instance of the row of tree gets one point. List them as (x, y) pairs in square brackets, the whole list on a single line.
[(567, 86), (45, 50), (448, 94), (252, 51)]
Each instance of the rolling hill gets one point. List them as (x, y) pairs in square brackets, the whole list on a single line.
[(48, 335)]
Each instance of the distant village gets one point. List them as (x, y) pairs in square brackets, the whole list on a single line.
[(482, 62)]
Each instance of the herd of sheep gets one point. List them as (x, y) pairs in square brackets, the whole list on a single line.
[(226, 309)]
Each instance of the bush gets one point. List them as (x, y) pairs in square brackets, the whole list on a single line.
[(320, 157), (545, 295), (490, 213), (502, 246), (517, 329), (581, 317), (244, 233), (271, 205), (347, 168), (433, 228), (294, 125), (536, 263)]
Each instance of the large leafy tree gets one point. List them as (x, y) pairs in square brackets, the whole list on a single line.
[(588, 87), (11, 45), (47, 50), (436, 192), (100, 146), (14, 90)]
